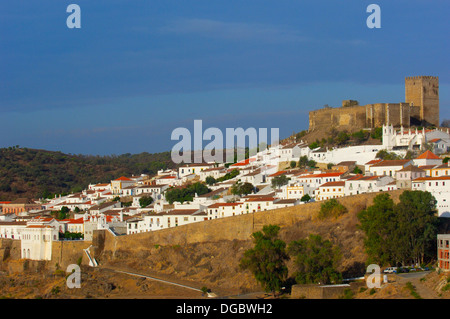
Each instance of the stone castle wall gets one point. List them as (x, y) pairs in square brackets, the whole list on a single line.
[(423, 91), (421, 108)]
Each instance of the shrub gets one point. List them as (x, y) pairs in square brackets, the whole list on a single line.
[(332, 208)]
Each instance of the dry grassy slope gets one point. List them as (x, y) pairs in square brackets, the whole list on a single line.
[(208, 253)]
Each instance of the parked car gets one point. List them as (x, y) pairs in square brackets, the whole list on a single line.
[(390, 270), (401, 270)]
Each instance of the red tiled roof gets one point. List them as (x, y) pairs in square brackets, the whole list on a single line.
[(217, 205), (428, 155), (278, 173), (373, 161), (330, 184), (123, 178), (427, 178), (321, 175), (391, 163), (244, 162)]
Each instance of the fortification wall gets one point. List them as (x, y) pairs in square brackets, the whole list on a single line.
[(64, 253), (348, 118), (68, 252), (421, 107), (238, 227)]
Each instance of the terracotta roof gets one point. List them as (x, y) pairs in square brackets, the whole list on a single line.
[(123, 178), (360, 177), (428, 155), (278, 173), (373, 161), (427, 178), (411, 168), (391, 163), (261, 199), (321, 175), (331, 184), (13, 223), (217, 205), (243, 163)]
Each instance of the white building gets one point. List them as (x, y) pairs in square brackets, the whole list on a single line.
[(439, 187), (220, 210), (388, 167), (118, 184), (36, 241), (330, 190), (427, 158), (11, 229), (366, 184), (193, 168)]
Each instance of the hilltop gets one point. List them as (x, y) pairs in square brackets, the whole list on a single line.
[(35, 173)]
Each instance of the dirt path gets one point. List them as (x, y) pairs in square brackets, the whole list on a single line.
[(423, 290)]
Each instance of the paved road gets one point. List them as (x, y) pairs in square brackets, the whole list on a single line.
[(414, 274), (157, 279)]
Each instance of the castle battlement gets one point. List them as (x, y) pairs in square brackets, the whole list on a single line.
[(418, 77)]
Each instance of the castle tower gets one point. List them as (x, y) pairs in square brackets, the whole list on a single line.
[(423, 93)]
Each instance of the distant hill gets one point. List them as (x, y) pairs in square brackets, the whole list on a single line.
[(37, 173)]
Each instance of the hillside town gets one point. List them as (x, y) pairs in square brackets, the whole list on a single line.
[(274, 178)]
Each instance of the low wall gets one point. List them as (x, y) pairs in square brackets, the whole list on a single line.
[(318, 291)]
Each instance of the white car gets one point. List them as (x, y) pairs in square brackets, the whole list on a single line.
[(390, 270)]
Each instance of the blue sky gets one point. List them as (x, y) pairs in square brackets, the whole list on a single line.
[(136, 70)]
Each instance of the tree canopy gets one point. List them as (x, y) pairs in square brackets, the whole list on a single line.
[(316, 260), (280, 180), (400, 233), (187, 193), (267, 260)]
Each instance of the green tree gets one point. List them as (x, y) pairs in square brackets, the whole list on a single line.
[(315, 260), (342, 138), (63, 213), (385, 155), (417, 224), (279, 181), (331, 208), (292, 164), (242, 188), (312, 163), (187, 193), (377, 221), (314, 145), (144, 201), (303, 161), (377, 133), (360, 136), (305, 198), (400, 233), (210, 180), (267, 260)]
